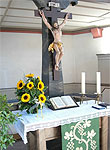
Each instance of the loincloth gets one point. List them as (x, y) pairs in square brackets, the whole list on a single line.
[(51, 46)]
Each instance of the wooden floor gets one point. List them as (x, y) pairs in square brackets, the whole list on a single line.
[(51, 145), (18, 145)]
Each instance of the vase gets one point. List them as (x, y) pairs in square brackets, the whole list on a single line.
[(34, 108)]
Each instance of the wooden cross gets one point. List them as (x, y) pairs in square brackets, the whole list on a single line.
[(52, 79), (53, 13)]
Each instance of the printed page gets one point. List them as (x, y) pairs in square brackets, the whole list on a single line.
[(52, 102), (58, 102), (68, 101)]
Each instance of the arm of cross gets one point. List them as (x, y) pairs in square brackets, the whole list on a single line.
[(44, 19), (53, 15), (64, 21), (49, 14)]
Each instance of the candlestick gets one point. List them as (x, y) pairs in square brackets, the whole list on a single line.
[(83, 83), (98, 83), (82, 98), (98, 98)]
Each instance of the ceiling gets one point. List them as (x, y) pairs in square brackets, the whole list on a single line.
[(85, 15)]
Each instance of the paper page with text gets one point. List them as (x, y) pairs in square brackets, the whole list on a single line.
[(54, 105), (58, 102), (68, 101)]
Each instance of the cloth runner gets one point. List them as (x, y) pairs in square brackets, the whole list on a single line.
[(82, 135)]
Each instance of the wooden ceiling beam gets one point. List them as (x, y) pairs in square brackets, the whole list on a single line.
[(96, 1), (6, 10), (92, 7)]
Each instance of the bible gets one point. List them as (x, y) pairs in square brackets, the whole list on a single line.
[(63, 102)]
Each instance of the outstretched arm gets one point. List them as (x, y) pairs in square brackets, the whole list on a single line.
[(44, 19), (64, 21)]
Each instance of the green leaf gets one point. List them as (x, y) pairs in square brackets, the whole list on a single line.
[(6, 118)]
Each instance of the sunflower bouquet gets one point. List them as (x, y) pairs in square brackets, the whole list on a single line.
[(31, 93)]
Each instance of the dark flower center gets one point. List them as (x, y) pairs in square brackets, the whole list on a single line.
[(25, 97), (30, 85), (40, 86), (20, 85), (42, 99)]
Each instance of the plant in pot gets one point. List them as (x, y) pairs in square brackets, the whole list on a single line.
[(6, 118)]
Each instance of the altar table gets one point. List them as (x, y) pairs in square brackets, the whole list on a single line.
[(48, 127)]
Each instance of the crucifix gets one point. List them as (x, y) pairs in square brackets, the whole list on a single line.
[(52, 79)]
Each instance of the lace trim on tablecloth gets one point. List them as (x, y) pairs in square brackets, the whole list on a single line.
[(62, 117)]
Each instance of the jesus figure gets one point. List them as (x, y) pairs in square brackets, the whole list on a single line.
[(57, 45)]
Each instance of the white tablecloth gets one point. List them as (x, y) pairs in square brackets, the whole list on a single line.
[(30, 122)]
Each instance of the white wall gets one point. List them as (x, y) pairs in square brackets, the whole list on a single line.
[(80, 55), (21, 54)]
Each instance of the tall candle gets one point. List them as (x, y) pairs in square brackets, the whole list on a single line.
[(98, 83), (83, 83)]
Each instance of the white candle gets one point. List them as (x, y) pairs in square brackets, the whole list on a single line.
[(98, 83), (83, 83)]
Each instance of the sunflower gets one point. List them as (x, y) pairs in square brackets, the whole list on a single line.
[(20, 84), (38, 77), (42, 98), (40, 86), (43, 92), (29, 75), (30, 85), (25, 98)]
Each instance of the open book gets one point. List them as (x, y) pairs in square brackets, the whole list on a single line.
[(63, 102)]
